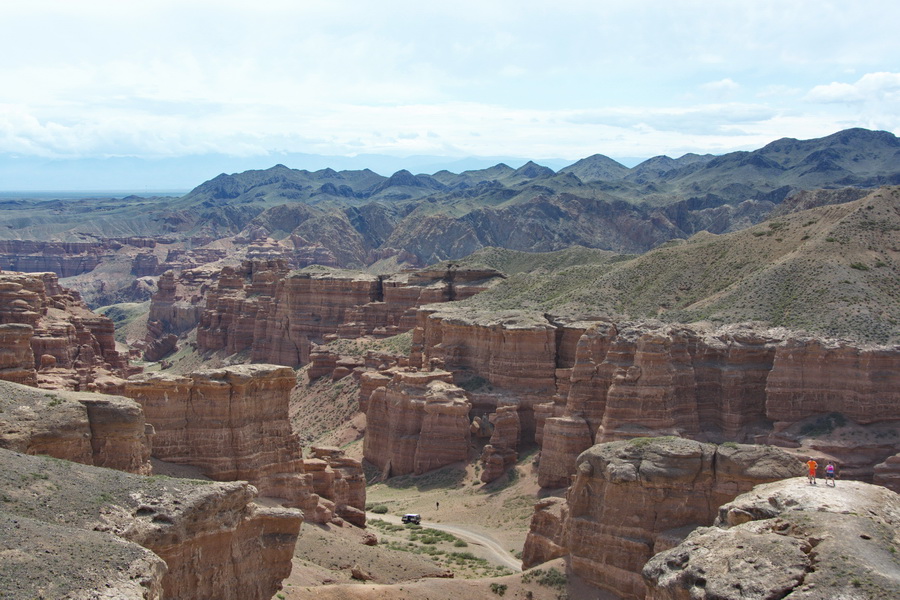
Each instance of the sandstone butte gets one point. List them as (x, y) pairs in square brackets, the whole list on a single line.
[(788, 539), (276, 314), (630, 500), (51, 339), (233, 424), (77, 531)]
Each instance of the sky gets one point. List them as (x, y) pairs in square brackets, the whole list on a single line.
[(568, 79)]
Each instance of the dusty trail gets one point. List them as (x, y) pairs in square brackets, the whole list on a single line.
[(498, 553)]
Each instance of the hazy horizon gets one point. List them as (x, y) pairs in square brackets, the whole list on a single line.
[(197, 79)]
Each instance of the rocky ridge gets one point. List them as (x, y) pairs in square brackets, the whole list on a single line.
[(136, 537), (787, 539), (632, 499)]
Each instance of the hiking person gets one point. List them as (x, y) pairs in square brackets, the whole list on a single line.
[(829, 474), (813, 465)]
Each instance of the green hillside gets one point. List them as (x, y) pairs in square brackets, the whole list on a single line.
[(833, 270)]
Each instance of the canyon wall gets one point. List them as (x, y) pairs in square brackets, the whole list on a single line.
[(275, 315), (577, 383), (416, 421), (632, 499), (70, 346), (116, 535), (233, 424), (88, 428)]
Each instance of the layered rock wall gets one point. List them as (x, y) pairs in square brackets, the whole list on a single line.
[(416, 422), (232, 423), (651, 379), (632, 499), (277, 314)]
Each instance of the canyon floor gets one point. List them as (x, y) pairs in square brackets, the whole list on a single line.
[(466, 524)]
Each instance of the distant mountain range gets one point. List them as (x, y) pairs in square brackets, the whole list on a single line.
[(148, 176), (359, 215)]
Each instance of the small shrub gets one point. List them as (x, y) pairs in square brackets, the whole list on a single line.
[(379, 509), (498, 588), (859, 266), (460, 544)]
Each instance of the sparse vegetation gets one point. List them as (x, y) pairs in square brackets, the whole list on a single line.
[(550, 577)]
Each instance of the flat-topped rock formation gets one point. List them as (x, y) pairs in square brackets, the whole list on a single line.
[(71, 347), (632, 499), (787, 539), (76, 531), (233, 424), (416, 421), (277, 314), (88, 428), (65, 259)]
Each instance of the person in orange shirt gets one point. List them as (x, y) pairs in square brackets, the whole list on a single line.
[(813, 465)]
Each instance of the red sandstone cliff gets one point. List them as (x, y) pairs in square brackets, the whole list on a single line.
[(71, 347), (632, 499), (578, 383), (415, 422), (233, 423)]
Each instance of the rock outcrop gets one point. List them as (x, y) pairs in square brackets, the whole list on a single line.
[(416, 422), (232, 423), (177, 304), (97, 533), (502, 451), (277, 315), (788, 539), (339, 479), (71, 347), (89, 428), (632, 499)]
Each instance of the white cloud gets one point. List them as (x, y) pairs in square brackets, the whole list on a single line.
[(520, 78), (869, 87)]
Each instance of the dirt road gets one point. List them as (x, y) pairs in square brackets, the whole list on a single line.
[(499, 555)]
